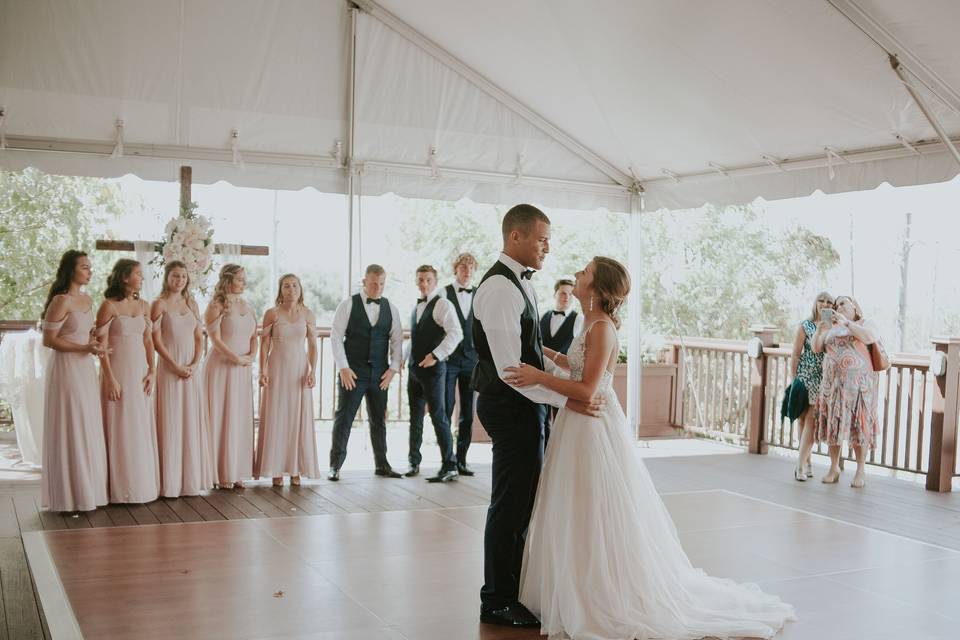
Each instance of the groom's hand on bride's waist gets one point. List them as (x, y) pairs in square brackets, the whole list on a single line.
[(593, 407)]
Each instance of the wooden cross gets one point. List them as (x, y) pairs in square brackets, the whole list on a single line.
[(186, 182)]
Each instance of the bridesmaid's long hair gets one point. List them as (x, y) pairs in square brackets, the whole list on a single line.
[(64, 277), (227, 273), (116, 289), (279, 300), (611, 282), (170, 266)]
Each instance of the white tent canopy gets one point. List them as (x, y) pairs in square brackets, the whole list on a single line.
[(565, 103)]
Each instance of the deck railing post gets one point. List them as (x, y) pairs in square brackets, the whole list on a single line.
[(943, 420), (763, 336)]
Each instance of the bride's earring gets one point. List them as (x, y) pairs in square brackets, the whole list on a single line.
[(591, 303)]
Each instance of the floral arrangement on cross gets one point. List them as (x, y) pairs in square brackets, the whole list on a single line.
[(188, 238)]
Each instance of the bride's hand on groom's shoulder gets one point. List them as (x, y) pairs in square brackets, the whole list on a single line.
[(523, 376)]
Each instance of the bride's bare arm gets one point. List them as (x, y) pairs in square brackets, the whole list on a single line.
[(599, 343), (557, 358)]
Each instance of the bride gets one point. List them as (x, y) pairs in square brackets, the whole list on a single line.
[(602, 559)]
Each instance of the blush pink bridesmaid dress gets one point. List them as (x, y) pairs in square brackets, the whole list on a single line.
[(128, 422), (229, 391), (184, 443), (74, 476), (286, 443)]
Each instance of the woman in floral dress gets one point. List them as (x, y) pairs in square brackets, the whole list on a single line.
[(846, 409)]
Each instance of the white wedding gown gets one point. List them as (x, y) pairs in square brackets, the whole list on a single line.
[(602, 559)]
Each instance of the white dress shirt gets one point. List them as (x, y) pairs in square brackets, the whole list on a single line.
[(464, 298), (556, 320), (446, 316), (498, 305), (339, 329)]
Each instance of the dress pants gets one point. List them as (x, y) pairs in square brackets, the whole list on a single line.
[(516, 427), (348, 403)]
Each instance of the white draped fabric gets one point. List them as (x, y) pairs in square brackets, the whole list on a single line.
[(145, 252), (23, 360), (559, 103)]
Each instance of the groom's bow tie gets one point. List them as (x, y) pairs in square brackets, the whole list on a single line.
[(374, 301), (560, 313), (421, 300), (526, 275), (465, 290)]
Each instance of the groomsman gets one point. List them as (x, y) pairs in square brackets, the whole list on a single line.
[(434, 334), (367, 343), (461, 362), (559, 326)]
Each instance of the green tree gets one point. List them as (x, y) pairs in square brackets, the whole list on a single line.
[(41, 216), (716, 272)]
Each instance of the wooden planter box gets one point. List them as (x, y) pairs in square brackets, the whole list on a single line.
[(657, 393)]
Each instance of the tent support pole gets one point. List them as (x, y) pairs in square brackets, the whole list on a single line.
[(635, 310), (351, 125), (932, 119)]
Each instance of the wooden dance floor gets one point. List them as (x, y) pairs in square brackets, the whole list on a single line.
[(415, 574)]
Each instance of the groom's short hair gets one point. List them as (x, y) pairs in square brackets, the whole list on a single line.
[(522, 217)]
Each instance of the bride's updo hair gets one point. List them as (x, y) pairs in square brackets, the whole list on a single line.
[(611, 285)]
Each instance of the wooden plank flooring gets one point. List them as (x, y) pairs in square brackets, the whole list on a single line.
[(894, 506)]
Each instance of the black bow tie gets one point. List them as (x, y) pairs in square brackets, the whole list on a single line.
[(526, 275), (560, 313), (374, 301), (465, 290), (420, 300)]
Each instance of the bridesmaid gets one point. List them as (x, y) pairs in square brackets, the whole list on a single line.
[(74, 476), (186, 458), (232, 328), (127, 378), (286, 442)]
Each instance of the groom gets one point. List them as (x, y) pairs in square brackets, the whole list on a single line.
[(506, 331)]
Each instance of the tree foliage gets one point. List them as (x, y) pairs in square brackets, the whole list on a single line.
[(41, 216)]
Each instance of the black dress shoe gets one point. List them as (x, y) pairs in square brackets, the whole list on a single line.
[(464, 470), (387, 472), (444, 476), (414, 470), (333, 475), (514, 615)]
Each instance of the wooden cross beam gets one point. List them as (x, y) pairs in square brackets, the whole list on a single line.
[(186, 183)]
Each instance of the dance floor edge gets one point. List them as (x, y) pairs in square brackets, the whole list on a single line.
[(415, 575)]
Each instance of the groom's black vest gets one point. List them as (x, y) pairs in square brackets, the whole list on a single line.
[(485, 376)]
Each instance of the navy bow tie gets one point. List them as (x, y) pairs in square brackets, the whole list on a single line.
[(465, 290), (526, 275), (560, 313), (373, 301), (419, 300)]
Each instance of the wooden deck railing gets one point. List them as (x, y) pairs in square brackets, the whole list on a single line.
[(325, 391), (723, 392)]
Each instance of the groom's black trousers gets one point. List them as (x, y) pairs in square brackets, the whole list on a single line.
[(515, 426)]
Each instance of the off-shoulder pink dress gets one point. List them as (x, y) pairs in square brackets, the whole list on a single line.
[(74, 476)]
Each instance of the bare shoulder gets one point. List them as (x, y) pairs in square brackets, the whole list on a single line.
[(58, 308), (214, 311), (106, 311)]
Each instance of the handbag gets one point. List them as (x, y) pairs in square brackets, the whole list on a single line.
[(878, 356)]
